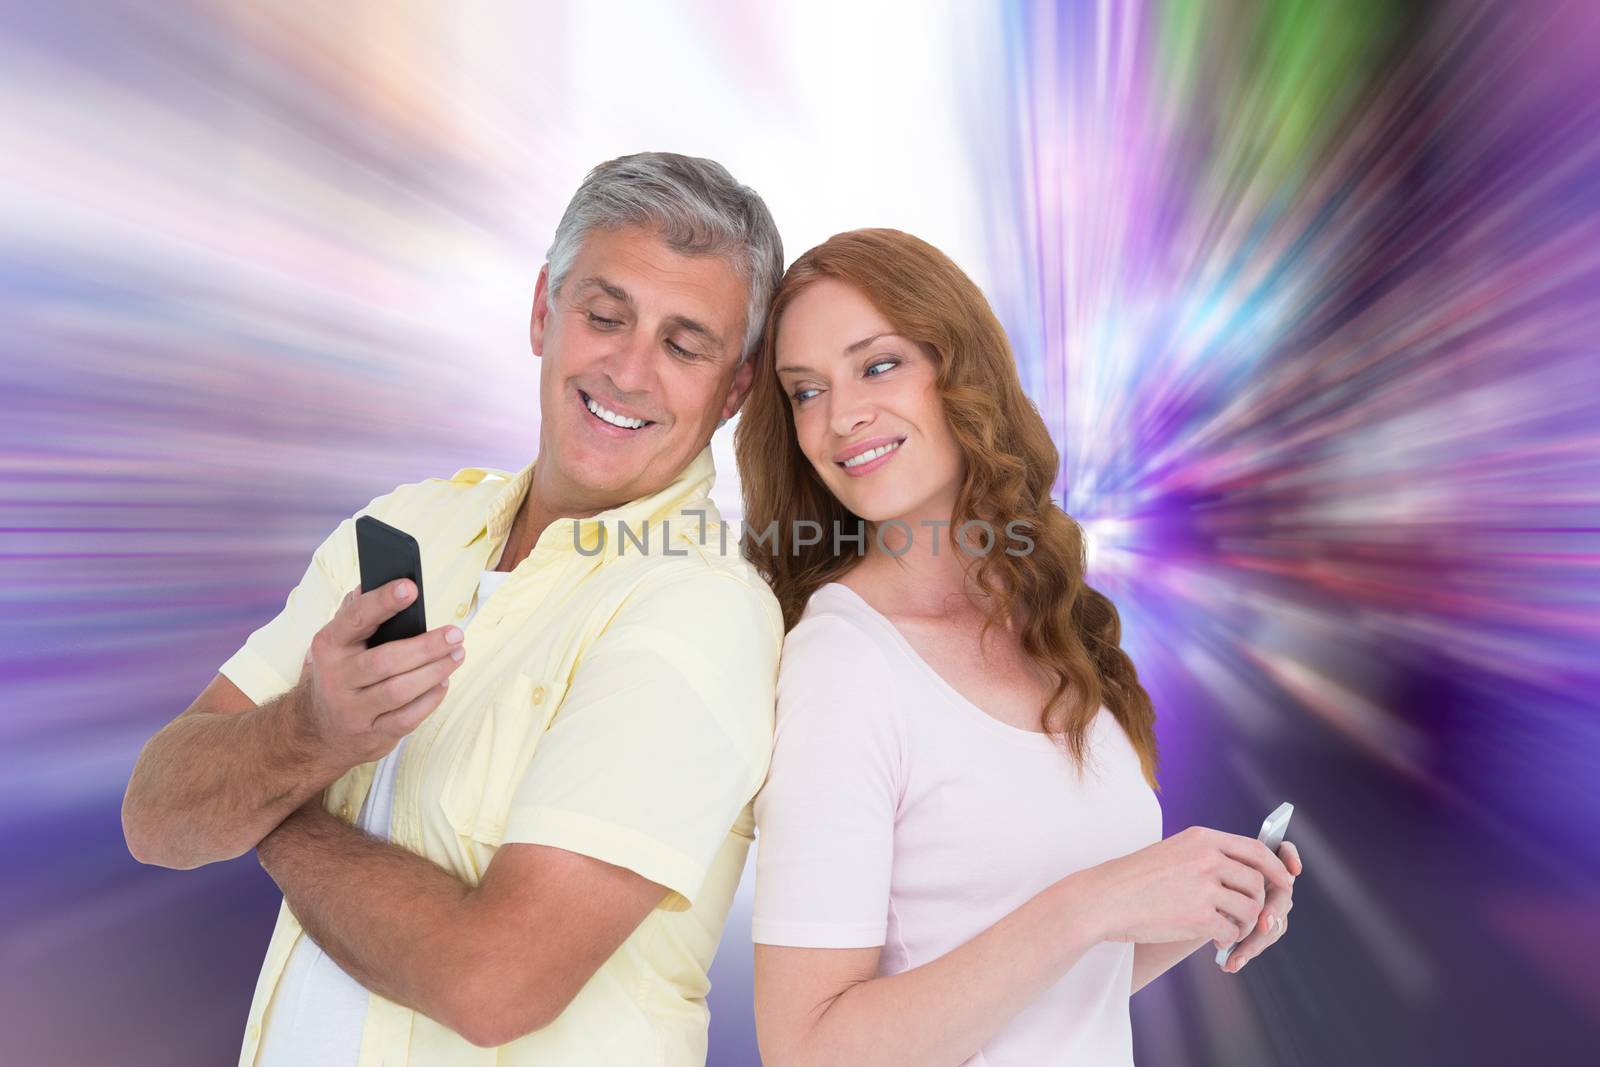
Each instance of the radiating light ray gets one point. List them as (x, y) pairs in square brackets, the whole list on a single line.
[(1310, 296)]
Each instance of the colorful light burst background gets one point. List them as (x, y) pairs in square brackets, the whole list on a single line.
[(1308, 292)]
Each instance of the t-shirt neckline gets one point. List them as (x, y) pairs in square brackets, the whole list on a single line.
[(1031, 738)]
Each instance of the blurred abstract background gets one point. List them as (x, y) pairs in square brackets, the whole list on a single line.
[(1308, 292)]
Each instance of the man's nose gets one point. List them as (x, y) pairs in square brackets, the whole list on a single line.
[(631, 364)]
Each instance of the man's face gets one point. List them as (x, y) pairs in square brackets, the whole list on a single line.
[(639, 359)]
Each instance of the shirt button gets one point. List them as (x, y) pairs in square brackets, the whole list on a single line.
[(254, 1033), (461, 610), (344, 811), (538, 694)]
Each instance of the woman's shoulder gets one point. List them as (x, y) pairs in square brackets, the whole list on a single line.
[(839, 626), (838, 648), (840, 680)]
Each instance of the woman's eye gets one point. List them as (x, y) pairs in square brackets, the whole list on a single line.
[(885, 363), (802, 395)]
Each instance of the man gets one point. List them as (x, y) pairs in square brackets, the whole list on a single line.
[(551, 805)]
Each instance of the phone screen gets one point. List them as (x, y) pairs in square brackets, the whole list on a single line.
[(388, 554)]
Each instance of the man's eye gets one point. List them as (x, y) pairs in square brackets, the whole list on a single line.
[(886, 363), (679, 350), (603, 323)]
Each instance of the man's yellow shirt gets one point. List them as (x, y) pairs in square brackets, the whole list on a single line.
[(615, 700)]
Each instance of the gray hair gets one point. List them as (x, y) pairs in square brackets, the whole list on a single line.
[(697, 208)]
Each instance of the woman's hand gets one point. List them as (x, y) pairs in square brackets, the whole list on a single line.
[(1274, 920), (1199, 883)]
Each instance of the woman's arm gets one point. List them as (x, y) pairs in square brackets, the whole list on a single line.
[(827, 817), (1154, 960), (824, 1006)]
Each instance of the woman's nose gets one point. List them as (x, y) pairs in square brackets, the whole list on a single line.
[(849, 417), (851, 407)]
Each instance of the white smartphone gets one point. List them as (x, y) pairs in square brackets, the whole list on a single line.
[(1271, 835)]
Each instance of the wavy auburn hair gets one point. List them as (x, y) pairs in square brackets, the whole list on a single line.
[(1010, 464)]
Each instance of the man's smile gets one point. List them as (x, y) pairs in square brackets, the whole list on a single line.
[(609, 421)]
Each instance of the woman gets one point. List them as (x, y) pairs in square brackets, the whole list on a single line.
[(958, 858)]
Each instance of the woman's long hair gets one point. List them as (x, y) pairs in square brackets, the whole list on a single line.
[(1010, 466)]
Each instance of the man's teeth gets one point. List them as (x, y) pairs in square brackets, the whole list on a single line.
[(611, 416), (871, 454)]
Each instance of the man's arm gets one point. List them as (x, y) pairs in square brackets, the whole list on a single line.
[(491, 963), (219, 777), (597, 834)]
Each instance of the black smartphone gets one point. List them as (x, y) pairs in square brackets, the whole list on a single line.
[(386, 554)]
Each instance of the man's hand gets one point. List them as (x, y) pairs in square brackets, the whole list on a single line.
[(356, 703)]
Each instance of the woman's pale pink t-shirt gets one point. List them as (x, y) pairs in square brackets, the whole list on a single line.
[(899, 814)]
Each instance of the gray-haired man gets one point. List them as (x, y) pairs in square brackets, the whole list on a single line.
[(514, 838)]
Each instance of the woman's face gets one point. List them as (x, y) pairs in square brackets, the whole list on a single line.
[(866, 407)]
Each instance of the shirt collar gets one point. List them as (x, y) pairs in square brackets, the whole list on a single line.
[(496, 521), (691, 488)]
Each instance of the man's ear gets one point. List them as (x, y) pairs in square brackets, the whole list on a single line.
[(743, 378), (541, 310)]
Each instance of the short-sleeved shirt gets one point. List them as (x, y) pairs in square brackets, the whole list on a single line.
[(898, 814), (616, 700)]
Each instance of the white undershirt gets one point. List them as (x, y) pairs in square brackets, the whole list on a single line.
[(318, 1011)]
